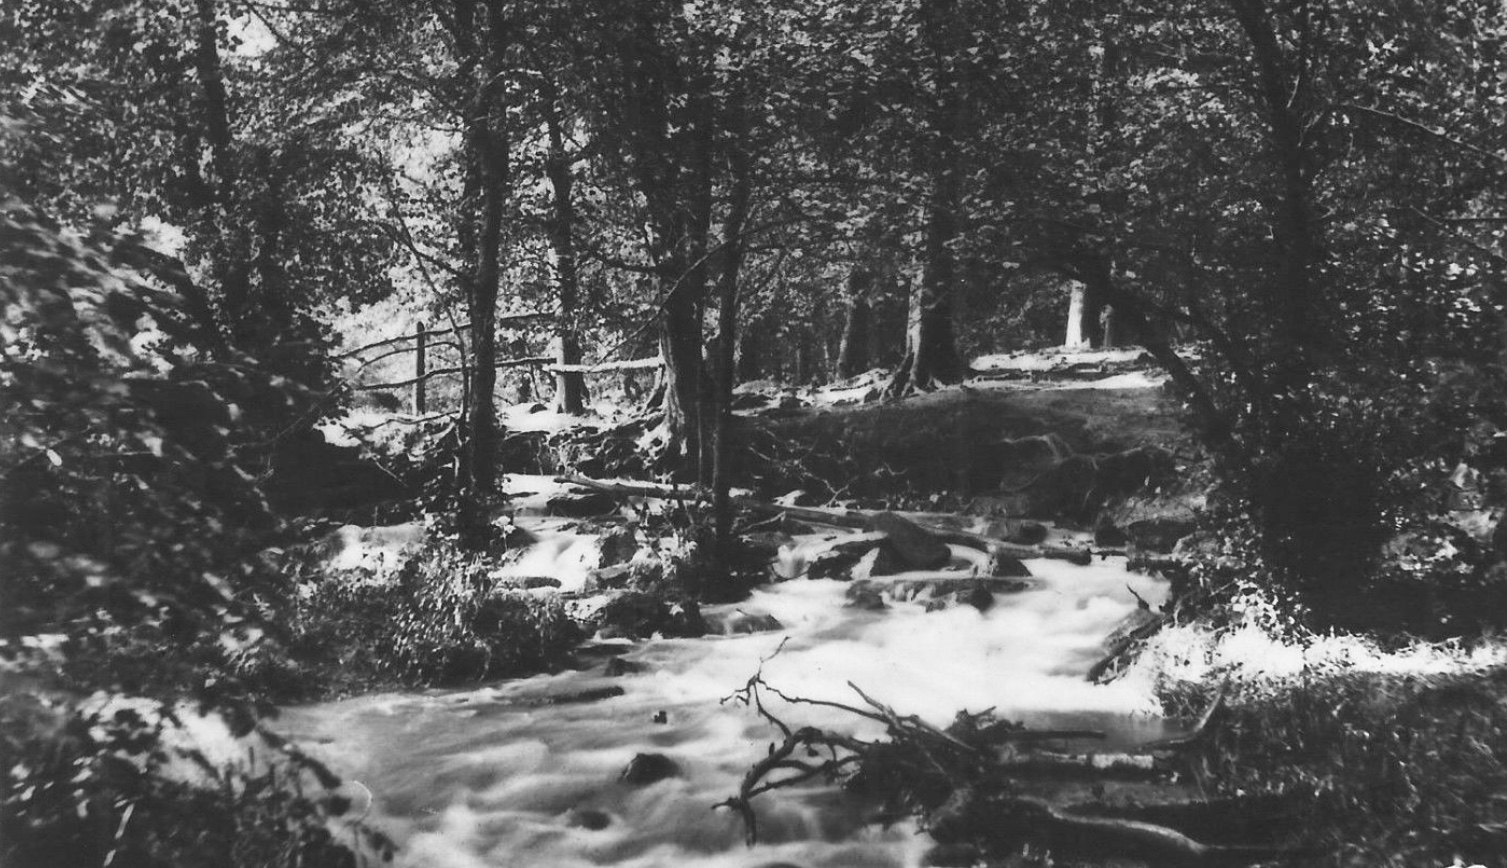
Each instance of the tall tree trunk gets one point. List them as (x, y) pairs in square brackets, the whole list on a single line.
[(229, 259), (853, 351), (680, 345), (664, 121), (931, 355), (741, 167), (570, 386), (1085, 328), (1282, 96), (750, 361), (488, 178)]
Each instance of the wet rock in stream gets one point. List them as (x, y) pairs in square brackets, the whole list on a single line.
[(1010, 567), (740, 623), (618, 667), (649, 768), (590, 819), (640, 615), (583, 504), (594, 694), (917, 547), (864, 595)]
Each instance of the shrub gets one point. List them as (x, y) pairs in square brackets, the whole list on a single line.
[(439, 620), (119, 785), (131, 518)]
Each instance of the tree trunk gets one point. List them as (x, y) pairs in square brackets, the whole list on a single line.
[(570, 386), (931, 356), (665, 124), (486, 151), (680, 345), (228, 261), (727, 319), (750, 365), (1085, 326), (1290, 295), (853, 352)]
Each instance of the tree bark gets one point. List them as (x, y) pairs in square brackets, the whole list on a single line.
[(1085, 328), (487, 181), (570, 386), (931, 357), (741, 166), (853, 352), (1290, 295), (664, 122), (228, 261)]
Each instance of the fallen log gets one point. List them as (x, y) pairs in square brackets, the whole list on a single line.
[(604, 367)]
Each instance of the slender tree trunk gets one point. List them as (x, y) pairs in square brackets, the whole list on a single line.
[(1085, 329), (570, 386), (229, 261), (853, 351), (420, 362), (750, 365), (488, 178), (680, 344), (727, 319)]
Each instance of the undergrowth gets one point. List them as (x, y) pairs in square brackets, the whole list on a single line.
[(439, 619), (121, 785), (1385, 769)]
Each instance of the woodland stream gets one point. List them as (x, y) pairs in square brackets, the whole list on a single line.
[(507, 774)]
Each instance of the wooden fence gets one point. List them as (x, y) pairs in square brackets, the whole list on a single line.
[(419, 345)]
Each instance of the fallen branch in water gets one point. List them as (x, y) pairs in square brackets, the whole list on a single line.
[(956, 779)]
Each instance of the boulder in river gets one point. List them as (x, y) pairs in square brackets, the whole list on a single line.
[(639, 615), (918, 548), (648, 768), (739, 622), (617, 667), (864, 595), (1107, 534), (589, 818), (978, 596), (882, 561), (832, 565), (1017, 530), (618, 546), (1160, 533), (1009, 567), (583, 504)]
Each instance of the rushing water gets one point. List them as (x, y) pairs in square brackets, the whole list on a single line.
[(493, 777)]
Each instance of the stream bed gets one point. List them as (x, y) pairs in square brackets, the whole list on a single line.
[(509, 774)]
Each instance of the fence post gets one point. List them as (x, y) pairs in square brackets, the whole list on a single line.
[(420, 339)]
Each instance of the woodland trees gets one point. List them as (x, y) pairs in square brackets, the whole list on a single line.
[(1309, 196), (1310, 190)]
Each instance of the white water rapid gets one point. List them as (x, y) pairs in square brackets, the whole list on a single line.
[(492, 777)]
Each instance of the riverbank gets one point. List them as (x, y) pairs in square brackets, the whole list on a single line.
[(1294, 754)]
